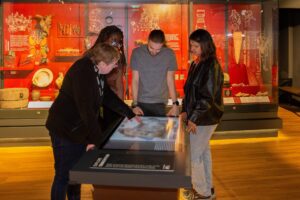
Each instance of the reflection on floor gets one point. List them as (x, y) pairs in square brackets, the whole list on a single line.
[(243, 169)]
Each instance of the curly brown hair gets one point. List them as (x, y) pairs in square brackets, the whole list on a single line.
[(104, 36)]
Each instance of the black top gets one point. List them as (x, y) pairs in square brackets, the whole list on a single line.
[(75, 114), (203, 100)]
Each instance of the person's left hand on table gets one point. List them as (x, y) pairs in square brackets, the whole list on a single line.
[(138, 111)]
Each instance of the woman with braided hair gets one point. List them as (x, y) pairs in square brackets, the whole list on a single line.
[(114, 36)]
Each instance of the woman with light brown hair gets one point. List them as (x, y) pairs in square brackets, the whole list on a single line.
[(74, 117)]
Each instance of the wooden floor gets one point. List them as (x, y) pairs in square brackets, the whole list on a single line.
[(243, 169), (260, 168)]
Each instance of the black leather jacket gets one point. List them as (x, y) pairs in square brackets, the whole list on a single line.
[(203, 100)]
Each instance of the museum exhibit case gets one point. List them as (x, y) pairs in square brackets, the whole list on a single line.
[(41, 39), (138, 161)]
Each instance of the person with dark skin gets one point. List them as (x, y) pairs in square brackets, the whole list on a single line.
[(202, 109), (74, 120), (113, 36)]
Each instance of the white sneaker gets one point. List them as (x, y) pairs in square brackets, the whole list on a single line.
[(187, 194), (197, 196), (190, 194)]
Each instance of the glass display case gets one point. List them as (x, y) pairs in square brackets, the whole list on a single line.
[(41, 39), (246, 37)]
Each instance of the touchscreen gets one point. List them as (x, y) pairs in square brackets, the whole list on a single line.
[(152, 133)]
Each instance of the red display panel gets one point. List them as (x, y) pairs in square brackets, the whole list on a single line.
[(172, 20), (40, 35), (212, 18), (244, 29), (101, 15), (245, 50), (52, 36)]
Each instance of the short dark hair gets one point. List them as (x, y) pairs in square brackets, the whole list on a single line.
[(206, 42), (157, 36)]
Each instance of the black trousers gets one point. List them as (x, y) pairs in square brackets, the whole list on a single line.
[(153, 109)]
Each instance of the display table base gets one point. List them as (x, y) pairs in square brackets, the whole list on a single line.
[(134, 193)]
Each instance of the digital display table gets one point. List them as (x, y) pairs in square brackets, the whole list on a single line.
[(138, 158)]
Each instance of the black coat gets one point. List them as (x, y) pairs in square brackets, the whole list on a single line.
[(75, 114), (203, 100)]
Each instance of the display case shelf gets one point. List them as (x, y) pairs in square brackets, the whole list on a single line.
[(66, 58), (27, 68)]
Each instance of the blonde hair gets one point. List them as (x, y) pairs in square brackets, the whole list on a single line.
[(103, 52)]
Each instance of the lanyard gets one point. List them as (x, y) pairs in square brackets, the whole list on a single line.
[(100, 81)]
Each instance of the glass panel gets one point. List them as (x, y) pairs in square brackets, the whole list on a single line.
[(245, 39), (42, 40)]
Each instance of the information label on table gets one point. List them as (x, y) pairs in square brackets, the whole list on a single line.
[(106, 161)]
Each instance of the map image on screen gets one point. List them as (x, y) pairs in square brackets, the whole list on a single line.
[(152, 133)]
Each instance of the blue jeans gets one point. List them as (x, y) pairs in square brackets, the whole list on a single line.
[(66, 155), (201, 165)]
